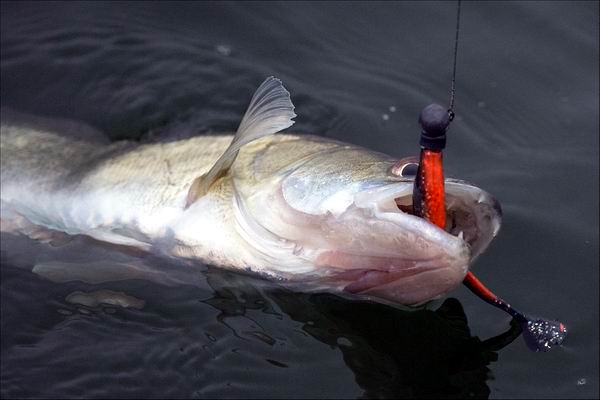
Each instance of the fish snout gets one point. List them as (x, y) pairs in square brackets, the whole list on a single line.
[(399, 258)]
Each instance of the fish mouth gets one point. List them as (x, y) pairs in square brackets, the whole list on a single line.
[(442, 257), (369, 243), (472, 214)]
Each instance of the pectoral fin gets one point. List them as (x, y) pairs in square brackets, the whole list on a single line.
[(270, 111)]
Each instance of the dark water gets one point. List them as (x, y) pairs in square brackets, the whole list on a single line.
[(527, 131)]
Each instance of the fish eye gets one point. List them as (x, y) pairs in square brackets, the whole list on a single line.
[(409, 170), (406, 167)]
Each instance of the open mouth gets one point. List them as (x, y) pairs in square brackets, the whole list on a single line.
[(368, 241), (471, 213), (473, 216)]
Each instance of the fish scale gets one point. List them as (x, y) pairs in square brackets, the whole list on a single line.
[(45, 169), (300, 209)]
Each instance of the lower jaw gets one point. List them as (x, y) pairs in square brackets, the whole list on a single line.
[(418, 288), (395, 280)]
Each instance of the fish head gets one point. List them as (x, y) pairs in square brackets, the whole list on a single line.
[(339, 216)]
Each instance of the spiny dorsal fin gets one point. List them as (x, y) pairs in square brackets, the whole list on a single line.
[(270, 111)]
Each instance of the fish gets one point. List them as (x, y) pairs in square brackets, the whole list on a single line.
[(302, 210)]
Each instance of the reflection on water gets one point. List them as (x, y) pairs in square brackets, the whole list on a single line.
[(391, 352)]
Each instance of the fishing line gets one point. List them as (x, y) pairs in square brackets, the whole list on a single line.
[(429, 203), (453, 87)]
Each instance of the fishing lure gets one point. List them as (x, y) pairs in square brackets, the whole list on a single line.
[(429, 203)]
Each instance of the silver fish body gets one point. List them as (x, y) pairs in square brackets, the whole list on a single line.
[(293, 208)]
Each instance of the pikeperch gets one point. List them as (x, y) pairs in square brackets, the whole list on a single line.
[(293, 208)]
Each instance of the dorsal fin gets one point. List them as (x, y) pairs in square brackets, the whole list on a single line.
[(270, 111)]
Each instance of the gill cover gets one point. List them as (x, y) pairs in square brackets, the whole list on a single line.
[(270, 111)]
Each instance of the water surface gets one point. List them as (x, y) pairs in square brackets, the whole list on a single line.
[(526, 131)]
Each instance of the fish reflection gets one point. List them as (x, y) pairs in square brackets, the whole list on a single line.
[(393, 353)]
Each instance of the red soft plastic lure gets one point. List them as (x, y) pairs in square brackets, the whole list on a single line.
[(429, 202), (431, 205)]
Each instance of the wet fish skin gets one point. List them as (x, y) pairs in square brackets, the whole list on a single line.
[(295, 208), (81, 187)]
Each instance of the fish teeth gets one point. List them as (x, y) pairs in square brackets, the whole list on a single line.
[(461, 235)]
